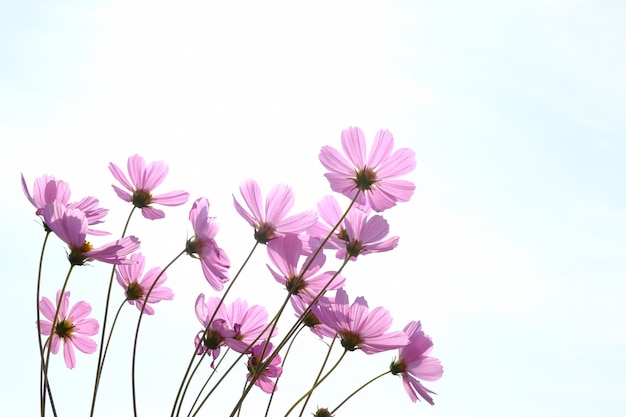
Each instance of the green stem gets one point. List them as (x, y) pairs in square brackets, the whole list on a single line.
[(143, 307), (42, 394), (317, 378), (308, 309), (101, 355), (52, 329), (205, 382), (359, 389), (179, 395), (317, 384), (293, 339)]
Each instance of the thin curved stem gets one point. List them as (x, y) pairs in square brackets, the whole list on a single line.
[(42, 394), (308, 309), (317, 384), (101, 354), (359, 389), (317, 378), (52, 329), (293, 339), (143, 307), (179, 396)]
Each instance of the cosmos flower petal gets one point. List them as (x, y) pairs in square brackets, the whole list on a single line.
[(332, 160), (381, 148), (251, 194), (430, 369), (124, 195), (173, 198), (119, 175), (68, 355), (278, 203), (401, 162), (152, 213), (353, 143), (84, 344)]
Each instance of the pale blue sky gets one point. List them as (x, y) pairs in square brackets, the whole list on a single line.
[(512, 251)]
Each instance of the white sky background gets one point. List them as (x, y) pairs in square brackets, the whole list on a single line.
[(512, 251)]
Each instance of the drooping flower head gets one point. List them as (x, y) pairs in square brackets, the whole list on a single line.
[(413, 363), (202, 245), (270, 220), (374, 174), (236, 325), (72, 327), (71, 226), (143, 181), (264, 377), (358, 327), (285, 253), (137, 285)]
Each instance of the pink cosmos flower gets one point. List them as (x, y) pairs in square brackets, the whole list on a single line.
[(70, 225), (310, 319), (236, 326), (285, 253), (72, 327), (272, 371), (413, 363), (137, 286), (46, 190), (270, 219), (143, 180), (214, 261), (373, 175), (358, 327), (363, 235)]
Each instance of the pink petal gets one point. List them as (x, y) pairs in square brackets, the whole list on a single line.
[(47, 308), (124, 195), (136, 166), (278, 203), (353, 143), (84, 344), (79, 311), (119, 175), (68, 355), (251, 194), (152, 213), (334, 161), (154, 175), (173, 198), (401, 162), (429, 370), (381, 148)]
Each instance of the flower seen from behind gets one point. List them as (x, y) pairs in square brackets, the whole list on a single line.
[(136, 285), (413, 363), (285, 253), (72, 327), (144, 179), (357, 326), (270, 219), (374, 176)]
